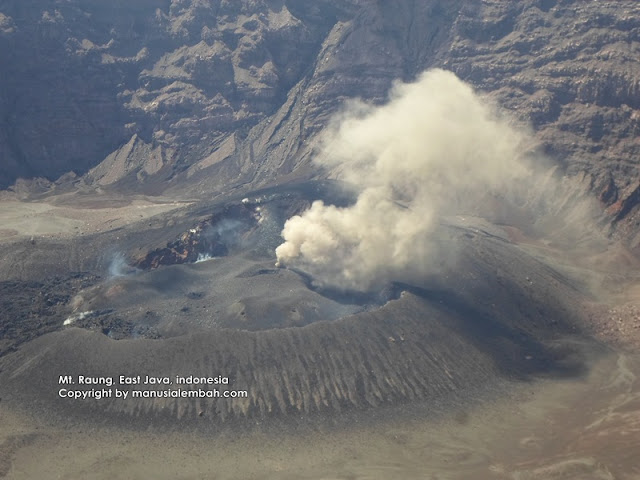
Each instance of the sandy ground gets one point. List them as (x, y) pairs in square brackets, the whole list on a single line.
[(563, 429), (609, 273), (67, 216)]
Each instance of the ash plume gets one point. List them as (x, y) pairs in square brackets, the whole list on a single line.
[(434, 149)]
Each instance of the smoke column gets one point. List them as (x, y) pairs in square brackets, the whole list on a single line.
[(435, 148)]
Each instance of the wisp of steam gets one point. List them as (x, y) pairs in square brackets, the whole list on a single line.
[(435, 148), (118, 267)]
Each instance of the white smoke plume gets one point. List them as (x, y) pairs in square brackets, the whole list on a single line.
[(435, 148)]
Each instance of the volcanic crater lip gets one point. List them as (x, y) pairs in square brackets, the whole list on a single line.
[(333, 351), (431, 351), (394, 352)]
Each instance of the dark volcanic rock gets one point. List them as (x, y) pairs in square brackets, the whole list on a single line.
[(29, 309), (213, 237)]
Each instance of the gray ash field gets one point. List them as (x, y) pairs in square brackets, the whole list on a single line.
[(489, 314)]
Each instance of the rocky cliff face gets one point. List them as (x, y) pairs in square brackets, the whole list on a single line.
[(207, 95), (571, 69)]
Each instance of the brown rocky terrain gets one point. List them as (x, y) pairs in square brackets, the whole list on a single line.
[(205, 96)]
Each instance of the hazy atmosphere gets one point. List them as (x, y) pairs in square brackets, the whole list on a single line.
[(308, 240)]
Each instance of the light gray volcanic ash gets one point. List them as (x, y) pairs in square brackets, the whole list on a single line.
[(436, 149)]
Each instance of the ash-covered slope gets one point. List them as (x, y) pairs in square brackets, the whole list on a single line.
[(205, 96)]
